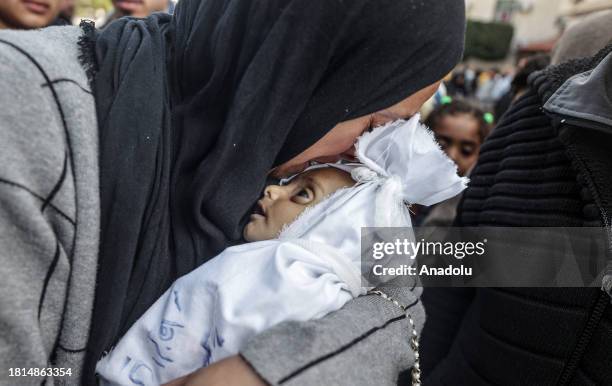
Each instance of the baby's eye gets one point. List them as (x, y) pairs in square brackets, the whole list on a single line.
[(303, 197), (304, 194)]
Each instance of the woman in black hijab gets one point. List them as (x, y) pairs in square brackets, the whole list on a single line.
[(194, 111)]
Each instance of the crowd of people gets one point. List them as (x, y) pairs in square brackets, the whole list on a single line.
[(492, 90), (183, 193), (486, 86)]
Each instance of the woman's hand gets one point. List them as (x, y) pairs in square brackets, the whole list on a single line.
[(232, 371)]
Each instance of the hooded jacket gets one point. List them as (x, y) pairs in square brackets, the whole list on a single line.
[(547, 164)]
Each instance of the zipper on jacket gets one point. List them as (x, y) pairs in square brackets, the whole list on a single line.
[(584, 123), (603, 299), (557, 121)]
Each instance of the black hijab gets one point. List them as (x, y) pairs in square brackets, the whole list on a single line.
[(194, 110)]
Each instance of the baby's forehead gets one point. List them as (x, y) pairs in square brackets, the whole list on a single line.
[(323, 174), (325, 181)]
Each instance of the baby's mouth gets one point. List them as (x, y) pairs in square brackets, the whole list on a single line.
[(259, 210)]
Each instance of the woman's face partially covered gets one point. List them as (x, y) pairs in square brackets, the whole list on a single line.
[(339, 142), (281, 205)]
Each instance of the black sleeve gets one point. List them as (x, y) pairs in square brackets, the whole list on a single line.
[(445, 309)]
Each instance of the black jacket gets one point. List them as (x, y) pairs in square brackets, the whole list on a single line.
[(547, 164)]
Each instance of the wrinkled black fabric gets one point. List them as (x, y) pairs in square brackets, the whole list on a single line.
[(131, 97), (194, 110)]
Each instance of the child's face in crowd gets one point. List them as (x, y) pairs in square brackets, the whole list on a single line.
[(139, 8), (459, 137), (281, 205), (28, 14)]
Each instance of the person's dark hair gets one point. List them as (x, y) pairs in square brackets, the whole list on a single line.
[(534, 63), (457, 107)]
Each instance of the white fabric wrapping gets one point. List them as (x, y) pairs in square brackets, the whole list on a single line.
[(408, 151), (313, 267), (208, 314)]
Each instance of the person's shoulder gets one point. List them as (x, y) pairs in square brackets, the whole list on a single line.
[(43, 39), (52, 50)]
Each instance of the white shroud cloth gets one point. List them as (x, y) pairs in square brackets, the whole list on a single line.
[(208, 314), (313, 268)]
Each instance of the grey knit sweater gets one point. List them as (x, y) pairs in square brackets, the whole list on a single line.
[(49, 204)]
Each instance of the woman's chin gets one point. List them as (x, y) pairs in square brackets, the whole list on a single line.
[(285, 170), (328, 159)]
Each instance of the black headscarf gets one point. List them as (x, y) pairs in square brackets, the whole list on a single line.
[(194, 110)]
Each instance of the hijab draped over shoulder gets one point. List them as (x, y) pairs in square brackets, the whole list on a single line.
[(195, 109)]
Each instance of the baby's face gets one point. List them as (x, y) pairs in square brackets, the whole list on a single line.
[(281, 205)]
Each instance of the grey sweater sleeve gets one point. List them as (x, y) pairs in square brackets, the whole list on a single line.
[(367, 342), (35, 232), (48, 203)]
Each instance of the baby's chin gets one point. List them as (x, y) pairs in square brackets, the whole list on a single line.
[(252, 232), (247, 232)]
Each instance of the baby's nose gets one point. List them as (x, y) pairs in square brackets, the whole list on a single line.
[(274, 192)]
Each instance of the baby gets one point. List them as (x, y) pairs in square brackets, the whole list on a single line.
[(282, 204), (302, 263)]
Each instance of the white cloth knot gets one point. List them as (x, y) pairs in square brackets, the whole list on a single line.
[(364, 174), (389, 204)]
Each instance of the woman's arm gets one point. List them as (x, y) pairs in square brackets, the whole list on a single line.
[(366, 342), (36, 220), (229, 371)]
